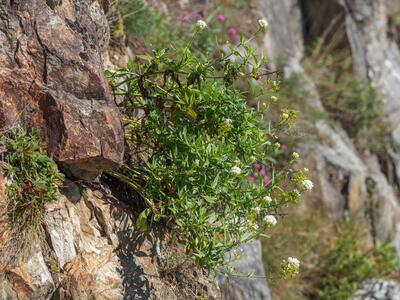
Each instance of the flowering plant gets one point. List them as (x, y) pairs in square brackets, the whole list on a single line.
[(192, 143)]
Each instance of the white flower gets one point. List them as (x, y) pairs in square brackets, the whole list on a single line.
[(270, 220), (268, 199), (290, 267), (196, 162), (284, 116), (277, 145), (305, 170), (293, 262), (263, 23), (200, 25), (274, 98), (307, 184), (295, 155), (253, 158), (257, 209), (236, 170)]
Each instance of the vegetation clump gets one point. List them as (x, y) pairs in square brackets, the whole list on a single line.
[(32, 179), (336, 257), (195, 143)]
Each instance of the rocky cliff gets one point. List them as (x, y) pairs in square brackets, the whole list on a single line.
[(341, 172), (51, 78)]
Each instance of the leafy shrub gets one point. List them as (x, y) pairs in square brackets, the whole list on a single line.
[(193, 143), (32, 179)]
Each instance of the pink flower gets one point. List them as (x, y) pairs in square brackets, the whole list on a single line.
[(221, 18), (257, 166), (284, 148), (199, 16), (262, 172), (232, 32), (185, 16), (266, 179)]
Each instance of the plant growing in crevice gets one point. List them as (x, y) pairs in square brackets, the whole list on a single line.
[(192, 142), (350, 262), (336, 256), (32, 180)]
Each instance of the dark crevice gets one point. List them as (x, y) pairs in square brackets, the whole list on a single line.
[(16, 59), (387, 166), (345, 191), (44, 51), (371, 207), (324, 19)]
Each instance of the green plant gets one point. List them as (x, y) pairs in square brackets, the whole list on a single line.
[(139, 21), (138, 18), (336, 257), (195, 144), (349, 263), (31, 179)]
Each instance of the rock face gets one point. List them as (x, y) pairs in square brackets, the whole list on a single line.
[(94, 252), (236, 288), (51, 78), (378, 290), (347, 182)]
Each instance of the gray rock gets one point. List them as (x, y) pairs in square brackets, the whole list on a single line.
[(242, 288), (376, 55), (378, 290)]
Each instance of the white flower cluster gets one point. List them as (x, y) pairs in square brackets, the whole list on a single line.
[(295, 155), (270, 220), (294, 262), (236, 170), (307, 184), (257, 209), (263, 23), (290, 267), (200, 25), (268, 199)]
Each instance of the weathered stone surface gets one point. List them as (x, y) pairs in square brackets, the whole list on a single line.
[(51, 78), (376, 55), (378, 290), (31, 280), (236, 288), (96, 253)]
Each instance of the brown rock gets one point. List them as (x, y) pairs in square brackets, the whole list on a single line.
[(102, 256), (30, 280), (52, 79)]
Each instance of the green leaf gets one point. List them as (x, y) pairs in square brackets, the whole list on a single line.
[(141, 221)]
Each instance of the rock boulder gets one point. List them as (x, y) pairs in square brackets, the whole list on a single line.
[(51, 78)]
